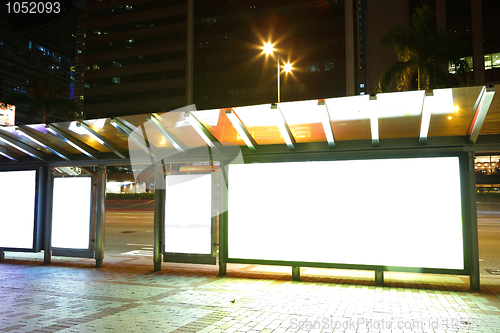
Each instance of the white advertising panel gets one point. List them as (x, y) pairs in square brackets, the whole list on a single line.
[(392, 212), (71, 212), (188, 214), (17, 198)]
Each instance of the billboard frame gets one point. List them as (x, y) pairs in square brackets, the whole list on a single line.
[(469, 244)]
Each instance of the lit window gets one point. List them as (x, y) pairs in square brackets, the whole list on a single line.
[(130, 40), (116, 80), (81, 97)]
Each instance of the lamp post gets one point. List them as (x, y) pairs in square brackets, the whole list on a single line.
[(269, 49)]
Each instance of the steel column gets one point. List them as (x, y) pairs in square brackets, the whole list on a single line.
[(159, 216), (2, 255), (223, 199), (473, 234), (100, 215), (49, 200), (296, 273), (379, 278)]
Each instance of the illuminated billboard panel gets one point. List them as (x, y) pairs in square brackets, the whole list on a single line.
[(188, 214), (7, 114), (391, 212), (17, 198), (71, 212)]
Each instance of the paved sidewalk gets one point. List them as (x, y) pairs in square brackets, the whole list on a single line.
[(70, 295)]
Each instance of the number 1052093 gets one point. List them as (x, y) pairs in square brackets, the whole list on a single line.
[(30, 7)]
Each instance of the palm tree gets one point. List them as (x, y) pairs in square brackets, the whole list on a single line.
[(423, 52), (44, 98)]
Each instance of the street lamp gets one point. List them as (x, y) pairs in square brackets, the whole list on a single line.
[(269, 49)]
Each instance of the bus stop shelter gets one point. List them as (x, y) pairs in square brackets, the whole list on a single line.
[(382, 183)]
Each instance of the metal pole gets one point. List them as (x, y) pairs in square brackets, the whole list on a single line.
[(159, 216), (278, 63), (296, 273), (223, 191), (190, 51), (473, 234), (47, 252), (100, 215), (379, 278)]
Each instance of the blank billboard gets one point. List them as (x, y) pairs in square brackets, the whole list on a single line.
[(391, 212), (71, 212), (17, 198), (188, 214)]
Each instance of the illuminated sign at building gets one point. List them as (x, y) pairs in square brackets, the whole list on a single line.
[(7, 114)]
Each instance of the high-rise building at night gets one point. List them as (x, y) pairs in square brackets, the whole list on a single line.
[(135, 57), (35, 48), (142, 56), (147, 56)]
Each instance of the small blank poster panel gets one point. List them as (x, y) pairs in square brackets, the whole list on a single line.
[(392, 212), (71, 212), (188, 214), (17, 199)]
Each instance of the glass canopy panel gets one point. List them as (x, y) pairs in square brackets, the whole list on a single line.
[(399, 114), (350, 117), (53, 140), (305, 120), (7, 153), (262, 123), (452, 110), (177, 123), (491, 124), (153, 136), (223, 130), (13, 133), (103, 126), (82, 135)]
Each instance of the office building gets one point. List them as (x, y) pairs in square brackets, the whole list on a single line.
[(30, 49), (135, 57)]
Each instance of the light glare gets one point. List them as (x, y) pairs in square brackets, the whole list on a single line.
[(268, 48)]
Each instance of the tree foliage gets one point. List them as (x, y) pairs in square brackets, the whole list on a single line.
[(423, 52), (44, 98)]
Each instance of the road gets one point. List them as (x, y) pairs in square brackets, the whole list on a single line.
[(488, 224), (129, 231)]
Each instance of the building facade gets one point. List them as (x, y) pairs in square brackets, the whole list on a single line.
[(135, 57), (147, 56), (31, 48)]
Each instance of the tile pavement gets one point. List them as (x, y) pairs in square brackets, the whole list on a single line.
[(70, 295)]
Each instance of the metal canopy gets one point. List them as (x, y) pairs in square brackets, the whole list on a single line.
[(454, 118)]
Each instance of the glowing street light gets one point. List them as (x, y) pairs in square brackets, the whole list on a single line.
[(287, 67), (269, 49)]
